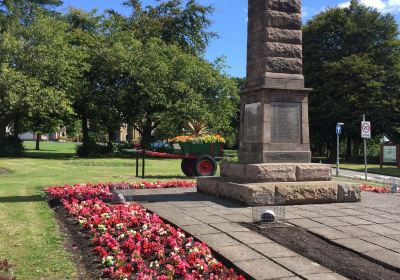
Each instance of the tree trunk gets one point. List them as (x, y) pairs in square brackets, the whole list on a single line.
[(110, 137), (3, 127), (85, 130), (146, 134), (348, 149), (356, 150), (16, 131), (130, 133), (38, 136)]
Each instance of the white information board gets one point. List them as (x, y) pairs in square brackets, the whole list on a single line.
[(389, 154)]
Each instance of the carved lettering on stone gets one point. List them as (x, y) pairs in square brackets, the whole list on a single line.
[(286, 122), (252, 122)]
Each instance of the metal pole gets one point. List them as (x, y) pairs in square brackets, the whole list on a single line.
[(337, 153), (143, 162), (137, 165), (365, 155)]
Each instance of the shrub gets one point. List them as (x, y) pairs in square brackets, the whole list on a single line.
[(12, 147), (93, 149)]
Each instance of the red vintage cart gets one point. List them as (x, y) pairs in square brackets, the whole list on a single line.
[(197, 159)]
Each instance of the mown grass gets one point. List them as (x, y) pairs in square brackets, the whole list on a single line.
[(388, 170), (29, 235)]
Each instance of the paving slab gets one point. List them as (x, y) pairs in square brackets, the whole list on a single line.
[(386, 256), (395, 226), (239, 253), (383, 242), (273, 250), (325, 276), (356, 231), (263, 269), (250, 237), (329, 221), (306, 223), (301, 265), (376, 219), (229, 227), (358, 244), (329, 233), (212, 219), (216, 240), (380, 229), (354, 220), (200, 229), (394, 236), (238, 218), (307, 214)]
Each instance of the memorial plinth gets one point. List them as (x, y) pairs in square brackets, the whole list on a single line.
[(274, 153)]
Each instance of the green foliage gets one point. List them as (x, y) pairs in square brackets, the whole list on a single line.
[(92, 149), (351, 61), (11, 147)]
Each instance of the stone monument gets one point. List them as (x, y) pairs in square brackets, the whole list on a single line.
[(274, 153), (274, 111)]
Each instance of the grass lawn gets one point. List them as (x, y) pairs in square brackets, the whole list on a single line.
[(373, 168), (29, 236)]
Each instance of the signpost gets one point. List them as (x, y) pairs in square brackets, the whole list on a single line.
[(338, 132), (366, 134)]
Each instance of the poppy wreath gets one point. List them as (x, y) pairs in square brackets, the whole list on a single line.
[(132, 243)]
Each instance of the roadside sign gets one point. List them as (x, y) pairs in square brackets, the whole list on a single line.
[(338, 129), (366, 130)]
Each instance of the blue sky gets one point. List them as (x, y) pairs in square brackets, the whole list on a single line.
[(229, 21)]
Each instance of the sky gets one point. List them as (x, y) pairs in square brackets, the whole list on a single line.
[(230, 23)]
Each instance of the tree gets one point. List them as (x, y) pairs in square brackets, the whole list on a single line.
[(176, 87), (351, 61), (174, 23)]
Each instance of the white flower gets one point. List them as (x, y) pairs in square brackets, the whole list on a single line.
[(120, 226), (108, 261)]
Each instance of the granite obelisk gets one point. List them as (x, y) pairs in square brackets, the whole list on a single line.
[(274, 110)]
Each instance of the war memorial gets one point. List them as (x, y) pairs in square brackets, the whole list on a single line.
[(274, 153)]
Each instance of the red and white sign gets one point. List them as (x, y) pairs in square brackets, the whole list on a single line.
[(366, 130)]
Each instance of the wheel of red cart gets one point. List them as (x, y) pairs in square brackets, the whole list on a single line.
[(206, 166), (188, 165)]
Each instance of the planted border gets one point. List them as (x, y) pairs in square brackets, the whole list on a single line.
[(132, 243)]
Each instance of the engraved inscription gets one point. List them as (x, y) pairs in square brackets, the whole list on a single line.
[(286, 122), (252, 122)]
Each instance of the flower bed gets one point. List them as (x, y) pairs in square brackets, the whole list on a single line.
[(132, 243), (374, 189)]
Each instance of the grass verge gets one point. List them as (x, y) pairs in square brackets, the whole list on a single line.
[(29, 235)]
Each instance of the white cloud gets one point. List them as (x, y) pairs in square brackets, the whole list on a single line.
[(387, 6)]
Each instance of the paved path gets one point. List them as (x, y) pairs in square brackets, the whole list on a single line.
[(360, 175), (215, 222), (371, 228)]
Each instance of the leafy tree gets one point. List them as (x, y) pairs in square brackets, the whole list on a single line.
[(184, 25), (44, 67), (351, 60)]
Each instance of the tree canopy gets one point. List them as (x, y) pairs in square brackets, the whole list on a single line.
[(351, 60)]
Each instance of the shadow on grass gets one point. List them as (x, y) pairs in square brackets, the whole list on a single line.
[(47, 155), (30, 198)]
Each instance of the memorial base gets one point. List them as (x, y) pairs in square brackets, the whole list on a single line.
[(290, 183), (288, 193)]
